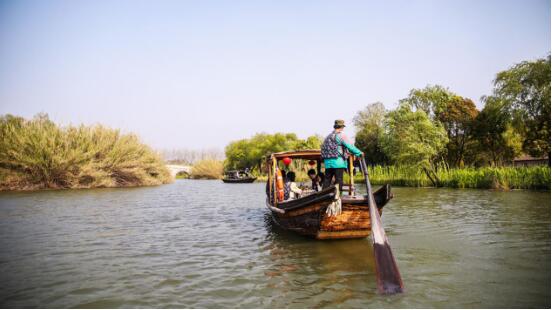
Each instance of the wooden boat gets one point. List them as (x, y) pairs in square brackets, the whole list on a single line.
[(238, 176), (307, 215)]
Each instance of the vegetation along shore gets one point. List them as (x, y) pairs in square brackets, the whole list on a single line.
[(502, 178), (38, 154), (434, 137)]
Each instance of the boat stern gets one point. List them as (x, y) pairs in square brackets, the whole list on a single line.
[(352, 222)]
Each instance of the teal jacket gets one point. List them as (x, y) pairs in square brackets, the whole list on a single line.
[(339, 162)]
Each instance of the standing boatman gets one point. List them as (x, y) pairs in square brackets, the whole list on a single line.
[(335, 151)]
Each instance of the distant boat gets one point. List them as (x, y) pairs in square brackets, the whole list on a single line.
[(307, 215), (238, 176)]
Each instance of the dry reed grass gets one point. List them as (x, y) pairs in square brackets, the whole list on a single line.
[(37, 154), (207, 169)]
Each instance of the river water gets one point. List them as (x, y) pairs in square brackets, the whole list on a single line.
[(209, 244)]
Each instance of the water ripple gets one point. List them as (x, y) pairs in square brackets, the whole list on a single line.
[(205, 244)]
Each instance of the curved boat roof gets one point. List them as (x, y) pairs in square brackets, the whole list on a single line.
[(302, 154)]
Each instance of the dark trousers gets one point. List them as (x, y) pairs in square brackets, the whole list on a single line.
[(338, 173)]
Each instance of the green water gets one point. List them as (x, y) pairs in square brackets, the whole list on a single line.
[(210, 244)]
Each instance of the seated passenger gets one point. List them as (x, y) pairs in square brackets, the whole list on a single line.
[(321, 177), (291, 187), (316, 181)]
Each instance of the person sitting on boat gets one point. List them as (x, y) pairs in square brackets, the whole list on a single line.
[(316, 180), (334, 151), (312, 175), (291, 190), (321, 177)]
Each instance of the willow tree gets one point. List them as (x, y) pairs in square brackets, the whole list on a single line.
[(454, 113), (369, 129), (411, 138)]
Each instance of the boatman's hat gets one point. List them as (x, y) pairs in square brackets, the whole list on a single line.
[(339, 123)]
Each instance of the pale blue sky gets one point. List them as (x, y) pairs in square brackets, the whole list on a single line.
[(198, 74)]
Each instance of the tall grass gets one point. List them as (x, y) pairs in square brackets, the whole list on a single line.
[(207, 169), (537, 177), (37, 154)]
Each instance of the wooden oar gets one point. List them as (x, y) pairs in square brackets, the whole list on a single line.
[(387, 273)]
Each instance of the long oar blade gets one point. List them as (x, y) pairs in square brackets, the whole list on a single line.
[(388, 276)]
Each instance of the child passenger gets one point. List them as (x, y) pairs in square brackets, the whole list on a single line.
[(291, 187), (317, 179)]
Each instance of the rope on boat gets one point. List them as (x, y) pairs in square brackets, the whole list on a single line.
[(334, 208)]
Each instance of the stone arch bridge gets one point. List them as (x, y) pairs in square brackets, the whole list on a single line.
[(175, 169)]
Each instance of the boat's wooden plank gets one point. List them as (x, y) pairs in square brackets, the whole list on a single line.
[(280, 211), (309, 209), (306, 224), (345, 234), (347, 220), (325, 194)]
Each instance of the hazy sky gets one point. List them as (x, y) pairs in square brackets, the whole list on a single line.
[(199, 74)]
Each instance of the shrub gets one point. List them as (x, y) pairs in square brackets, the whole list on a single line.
[(37, 154), (207, 169)]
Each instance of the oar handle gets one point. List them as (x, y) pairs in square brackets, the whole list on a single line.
[(364, 169), (362, 164)]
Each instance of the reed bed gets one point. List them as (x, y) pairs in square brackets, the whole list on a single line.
[(38, 154), (207, 169), (504, 178)]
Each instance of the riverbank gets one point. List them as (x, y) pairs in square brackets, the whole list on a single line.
[(38, 154), (206, 169), (503, 178)]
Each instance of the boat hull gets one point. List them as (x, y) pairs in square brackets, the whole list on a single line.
[(311, 219)]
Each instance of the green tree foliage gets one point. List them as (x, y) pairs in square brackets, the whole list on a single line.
[(497, 142), (312, 142), (411, 138), (369, 125), (455, 113), (248, 153), (432, 99), (525, 88), (457, 117)]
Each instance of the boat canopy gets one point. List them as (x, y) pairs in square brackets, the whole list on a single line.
[(303, 154)]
